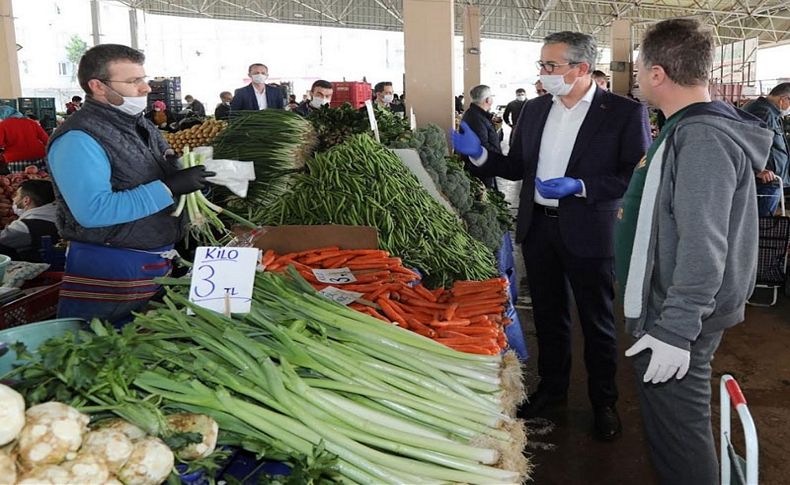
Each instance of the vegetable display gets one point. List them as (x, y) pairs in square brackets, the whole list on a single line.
[(468, 317), (336, 125), (278, 142), (298, 377), (363, 183), (195, 136), (485, 211), (55, 446)]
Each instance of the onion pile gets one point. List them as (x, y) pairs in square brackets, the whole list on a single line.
[(8, 186), (198, 135)]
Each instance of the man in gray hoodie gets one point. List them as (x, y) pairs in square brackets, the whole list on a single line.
[(686, 246)]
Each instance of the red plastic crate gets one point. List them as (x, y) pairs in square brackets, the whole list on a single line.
[(353, 92), (40, 304)]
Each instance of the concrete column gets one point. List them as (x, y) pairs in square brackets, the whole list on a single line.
[(428, 29), (471, 51), (622, 53), (96, 22), (133, 27), (10, 86)]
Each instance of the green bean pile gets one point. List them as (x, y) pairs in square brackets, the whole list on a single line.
[(360, 182)]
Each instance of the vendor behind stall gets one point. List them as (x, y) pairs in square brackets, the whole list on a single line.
[(116, 181), (34, 204)]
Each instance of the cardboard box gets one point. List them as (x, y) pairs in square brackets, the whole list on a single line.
[(290, 239)]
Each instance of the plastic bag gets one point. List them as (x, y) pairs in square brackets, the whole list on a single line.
[(233, 174)]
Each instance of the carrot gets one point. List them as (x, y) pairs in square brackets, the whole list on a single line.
[(301, 254), (426, 304), (372, 312), (336, 262), (463, 341), (422, 291), (479, 303), (476, 311), (390, 312), (473, 330), (450, 323), (268, 257), (420, 328), (473, 349), (448, 315), (410, 293), (451, 334)]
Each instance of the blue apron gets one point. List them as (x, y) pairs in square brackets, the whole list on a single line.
[(110, 283)]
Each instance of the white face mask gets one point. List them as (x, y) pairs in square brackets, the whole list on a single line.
[(259, 78), (521, 97), (133, 105), (555, 84), (18, 210), (318, 102), (388, 98)]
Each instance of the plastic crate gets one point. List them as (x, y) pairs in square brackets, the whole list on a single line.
[(355, 93), (39, 304), (8, 102), (33, 335)]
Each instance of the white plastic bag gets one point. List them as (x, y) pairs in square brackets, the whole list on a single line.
[(233, 174)]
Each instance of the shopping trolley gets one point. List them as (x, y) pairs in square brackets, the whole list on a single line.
[(735, 469), (774, 233)]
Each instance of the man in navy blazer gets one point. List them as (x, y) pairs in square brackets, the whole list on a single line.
[(575, 152), (257, 95)]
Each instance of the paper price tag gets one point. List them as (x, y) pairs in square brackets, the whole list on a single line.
[(372, 118), (223, 277), (340, 296), (338, 276)]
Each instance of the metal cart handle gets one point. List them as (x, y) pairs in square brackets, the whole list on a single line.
[(731, 392)]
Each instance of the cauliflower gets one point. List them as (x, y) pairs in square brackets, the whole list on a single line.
[(87, 469), (12, 414), (45, 475), (131, 431), (7, 470), (52, 432), (195, 423), (150, 463), (110, 445)]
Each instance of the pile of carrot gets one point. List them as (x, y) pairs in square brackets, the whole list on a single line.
[(468, 317)]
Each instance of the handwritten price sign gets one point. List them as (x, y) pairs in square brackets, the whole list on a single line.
[(337, 276), (223, 277)]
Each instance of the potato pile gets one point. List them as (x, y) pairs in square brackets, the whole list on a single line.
[(8, 186), (199, 135), (51, 443)]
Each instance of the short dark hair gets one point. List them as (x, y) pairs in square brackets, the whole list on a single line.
[(581, 47), (598, 74), (683, 47), (257, 64), (95, 63), (521, 91), (39, 191), (321, 84), (225, 93), (188, 97), (782, 89), (379, 87), (76, 99)]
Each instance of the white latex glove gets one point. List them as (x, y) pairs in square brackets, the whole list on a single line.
[(666, 361)]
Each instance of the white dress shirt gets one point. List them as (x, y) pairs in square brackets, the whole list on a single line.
[(559, 136), (261, 97)]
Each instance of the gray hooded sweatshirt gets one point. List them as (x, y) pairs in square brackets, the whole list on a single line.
[(694, 259)]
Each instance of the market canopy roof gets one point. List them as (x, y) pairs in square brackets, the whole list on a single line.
[(530, 20)]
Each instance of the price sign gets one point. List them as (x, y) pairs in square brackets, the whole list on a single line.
[(412, 119), (223, 277), (372, 118), (340, 296), (338, 276)]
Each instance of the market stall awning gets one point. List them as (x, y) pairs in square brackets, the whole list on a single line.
[(733, 20)]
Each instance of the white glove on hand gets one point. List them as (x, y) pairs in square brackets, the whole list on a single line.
[(666, 361)]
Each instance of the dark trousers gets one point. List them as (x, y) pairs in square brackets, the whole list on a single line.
[(553, 272), (677, 417)]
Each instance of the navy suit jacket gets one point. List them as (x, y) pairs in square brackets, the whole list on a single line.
[(612, 139), (244, 99)]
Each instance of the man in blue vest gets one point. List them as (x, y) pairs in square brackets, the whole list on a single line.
[(116, 182)]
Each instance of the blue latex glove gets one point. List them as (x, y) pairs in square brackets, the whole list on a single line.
[(558, 188), (466, 142)]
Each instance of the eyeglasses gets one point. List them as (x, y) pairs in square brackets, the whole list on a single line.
[(549, 67), (139, 81)]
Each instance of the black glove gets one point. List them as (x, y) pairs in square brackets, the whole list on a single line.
[(187, 180)]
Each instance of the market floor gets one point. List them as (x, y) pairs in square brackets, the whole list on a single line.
[(755, 352)]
